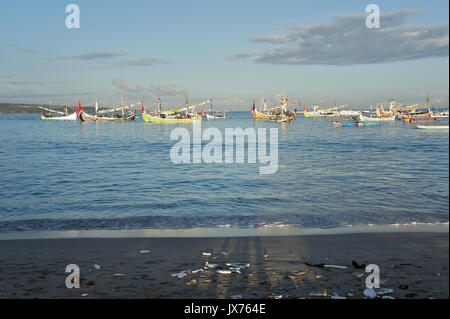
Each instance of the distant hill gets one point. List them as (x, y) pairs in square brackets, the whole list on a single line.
[(12, 108)]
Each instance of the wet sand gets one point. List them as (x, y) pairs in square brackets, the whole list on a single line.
[(280, 267)]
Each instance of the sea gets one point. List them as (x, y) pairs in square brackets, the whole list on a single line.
[(70, 176)]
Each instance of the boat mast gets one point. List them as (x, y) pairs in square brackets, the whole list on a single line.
[(96, 106), (123, 103), (158, 102)]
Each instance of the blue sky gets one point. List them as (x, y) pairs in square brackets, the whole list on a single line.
[(233, 52)]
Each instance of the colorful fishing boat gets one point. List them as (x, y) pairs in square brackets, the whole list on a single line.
[(376, 119), (347, 123), (421, 119), (64, 116), (173, 116), (99, 117), (432, 127)]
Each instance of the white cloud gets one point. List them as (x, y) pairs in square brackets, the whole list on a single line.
[(347, 41), (127, 86), (168, 90)]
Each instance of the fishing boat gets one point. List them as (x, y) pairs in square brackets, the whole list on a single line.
[(278, 114), (211, 115), (99, 117), (440, 114), (348, 123), (376, 119), (432, 127), (173, 116), (330, 112), (421, 119), (64, 116)]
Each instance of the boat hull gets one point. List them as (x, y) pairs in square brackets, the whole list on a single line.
[(156, 119), (85, 117), (70, 117), (432, 127), (314, 114), (262, 116), (376, 119)]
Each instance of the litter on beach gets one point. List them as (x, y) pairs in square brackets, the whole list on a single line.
[(97, 266), (145, 251), (319, 294), (197, 271), (238, 265), (224, 272), (335, 266), (370, 293), (208, 265), (206, 254), (118, 275), (180, 274), (384, 291)]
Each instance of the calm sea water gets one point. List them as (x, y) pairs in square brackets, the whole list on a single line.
[(72, 175)]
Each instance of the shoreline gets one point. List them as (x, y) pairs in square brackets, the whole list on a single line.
[(413, 264), (273, 231)]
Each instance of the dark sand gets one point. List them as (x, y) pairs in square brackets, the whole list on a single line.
[(36, 268)]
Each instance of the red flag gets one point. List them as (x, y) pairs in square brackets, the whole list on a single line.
[(201, 113), (304, 108), (143, 108), (134, 111), (79, 106)]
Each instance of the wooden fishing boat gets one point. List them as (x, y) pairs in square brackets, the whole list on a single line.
[(376, 119), (64, 116), (70, 117), (85, 117), (348, 123), (173, 116), (421, 119), (98, 117), (432, 127)]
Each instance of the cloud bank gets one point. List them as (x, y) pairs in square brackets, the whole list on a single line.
[(347, 41)]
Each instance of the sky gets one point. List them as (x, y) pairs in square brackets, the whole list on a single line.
[(235, 52)]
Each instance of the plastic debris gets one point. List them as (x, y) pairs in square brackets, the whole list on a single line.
[(350, 294), (206, 254), (225, 254), (208, 265), (238, 265), (319, 294), (197, 270), (358, 266), (236, 270), (370, 293), (319, 277), (276, 296), (335, 266), (336, 296), (118, 275), (223, 272), (236, 296), (384, 291), (387, 297), (145, 251), (84, 295), (97, 266), (192, 282), (266, 255), (180, 274)]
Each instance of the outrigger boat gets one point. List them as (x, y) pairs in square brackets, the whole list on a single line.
[(173, 116), (376, 119), (215, 115), (330, 112), (278, 114), (432, 127), (97, 117), (65, 115), (421, 119)]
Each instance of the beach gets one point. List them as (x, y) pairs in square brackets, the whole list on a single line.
[(414, 265)]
